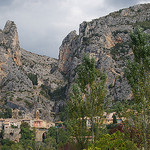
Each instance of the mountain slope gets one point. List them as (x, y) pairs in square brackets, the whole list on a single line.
[(29, 81), (18, 69), (107, 39)]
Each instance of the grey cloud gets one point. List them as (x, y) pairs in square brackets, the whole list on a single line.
[(122, 3), (5, 2), (42, 24)]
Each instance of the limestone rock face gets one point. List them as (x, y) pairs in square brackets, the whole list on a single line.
[(30, 82), (44, 67), (11, 41), (107, 39), (12, 77), (66, 52), (18, 69)]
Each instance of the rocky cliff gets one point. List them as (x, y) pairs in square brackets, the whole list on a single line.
[(29, 81), (107, 39)]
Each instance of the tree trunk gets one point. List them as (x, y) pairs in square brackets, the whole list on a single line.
[(145, 125)]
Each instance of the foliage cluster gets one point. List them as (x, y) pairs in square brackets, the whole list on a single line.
[(6, 113), (33, 78), (59, 93), (45, 91), (113, 141), (118, 50), (86, 101), (145, 24), (138, 75), (30, 105)]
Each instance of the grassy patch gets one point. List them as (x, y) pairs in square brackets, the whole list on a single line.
[(30, 105), (145, 25), (33, 78), (18, 99)]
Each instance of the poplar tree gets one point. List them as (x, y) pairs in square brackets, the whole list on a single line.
[(86, 100), (138, 75)]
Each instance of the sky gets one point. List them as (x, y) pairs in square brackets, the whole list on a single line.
[(43, 24)]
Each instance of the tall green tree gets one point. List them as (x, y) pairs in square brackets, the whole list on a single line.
[(115, 141), (138, 75), (60, 135), (86, 100), (27, 136)]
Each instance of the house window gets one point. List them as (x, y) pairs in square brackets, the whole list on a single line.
[(11, 133)]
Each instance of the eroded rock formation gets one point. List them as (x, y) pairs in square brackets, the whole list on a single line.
[(107, 39), (29, 81)]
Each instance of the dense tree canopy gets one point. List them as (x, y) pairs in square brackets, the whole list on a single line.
[(138, 75)]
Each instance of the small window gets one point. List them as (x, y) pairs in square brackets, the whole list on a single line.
[(11, 133)]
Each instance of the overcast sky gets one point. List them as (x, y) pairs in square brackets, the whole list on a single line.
[(43, 24)]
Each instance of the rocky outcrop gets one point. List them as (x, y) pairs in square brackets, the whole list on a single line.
[(11, 77), (18, 71), (44, 67), (107, 39), (66, 52), (29, 81), (10, 40)]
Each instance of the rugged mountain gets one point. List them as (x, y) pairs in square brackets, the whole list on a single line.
[(29, 81), (107, 39)]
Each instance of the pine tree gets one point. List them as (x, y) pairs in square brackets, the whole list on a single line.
[(114, 119)]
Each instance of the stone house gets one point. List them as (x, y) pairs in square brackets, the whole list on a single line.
[(11, 126), (12, 129), (105, 120), (109, 118)]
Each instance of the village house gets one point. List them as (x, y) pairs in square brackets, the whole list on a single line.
[(12, 129), (11, 126), (105, 120), (109, 118)]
